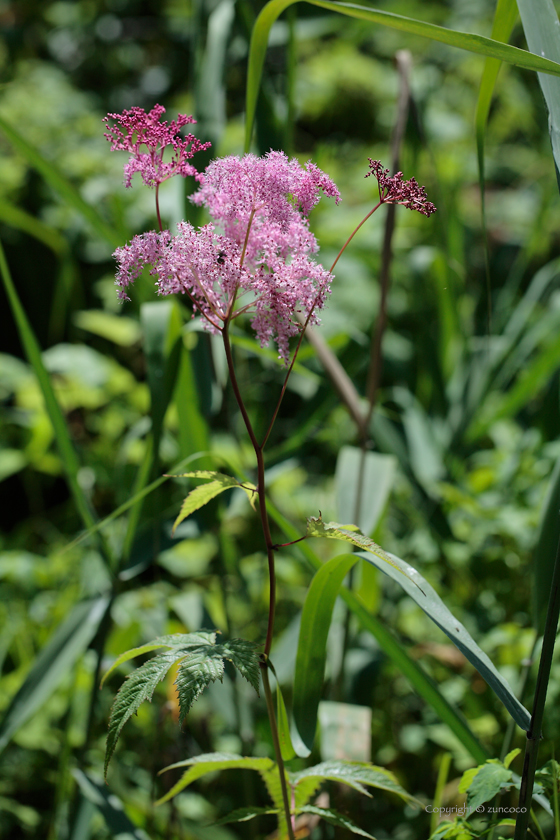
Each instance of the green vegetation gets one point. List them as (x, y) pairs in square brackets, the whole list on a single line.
[(425, 410)]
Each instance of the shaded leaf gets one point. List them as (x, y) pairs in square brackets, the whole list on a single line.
[(487, 782), (110, 806), (334, 818), (244, 815), (68, 643), (378, 476)]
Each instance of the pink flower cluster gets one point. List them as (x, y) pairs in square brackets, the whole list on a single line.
[(136, 129), (254, 257), (393, 190)]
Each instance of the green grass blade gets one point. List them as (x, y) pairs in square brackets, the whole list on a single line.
[(110, 806), (418, 588), (545, 550), (462, 40), (68, 643), (540, 24), (312, 646), (33, 353), (420, 681), (61, 185), (20, 219)]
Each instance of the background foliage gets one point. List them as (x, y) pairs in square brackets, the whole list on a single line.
[(468, 406)]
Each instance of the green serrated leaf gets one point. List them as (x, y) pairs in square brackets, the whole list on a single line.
[(197, 670), (334, 818), (356, 774), (204, 493), (243, 655), (137, 687), (210, 763), (349, 533), (244, 815), (185, 640)]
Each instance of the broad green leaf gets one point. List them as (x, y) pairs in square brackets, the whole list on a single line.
[(540, 24), (201, 662), (427, 598), (312, 644), (245, 814), (116, 328), (61, 185), (420, 681), (348, 533), (334, 818), (462, 40), (193, 433), (355, 774), (544, 554), (168, 642), (487, 782), (110, 806), (204, 493), (209, 763), (375, 473), (67, 644)]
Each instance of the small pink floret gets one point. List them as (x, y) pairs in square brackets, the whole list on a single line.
[(145, 137), (255, 257), (394, 190)]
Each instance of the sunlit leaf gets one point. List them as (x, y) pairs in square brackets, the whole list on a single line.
[(204, 493)]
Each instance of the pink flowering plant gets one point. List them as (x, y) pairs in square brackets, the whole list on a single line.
[(256, 260)]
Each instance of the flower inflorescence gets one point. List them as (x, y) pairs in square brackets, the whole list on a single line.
[(394, 190), (254, 257), (136, 129)]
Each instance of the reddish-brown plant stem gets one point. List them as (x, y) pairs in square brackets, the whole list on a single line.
[(261, 490), (157, 209)]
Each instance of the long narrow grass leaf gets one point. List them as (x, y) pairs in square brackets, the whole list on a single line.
[(33, 353), (462, 40), (52, 664), (417, 677), (61, 185)]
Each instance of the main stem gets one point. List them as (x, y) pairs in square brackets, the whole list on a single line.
[(534, 733), (261, 491)]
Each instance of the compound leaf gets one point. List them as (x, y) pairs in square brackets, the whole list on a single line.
[(201, 662), (138, 686)]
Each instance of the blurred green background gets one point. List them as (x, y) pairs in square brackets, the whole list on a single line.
[(468, 405)]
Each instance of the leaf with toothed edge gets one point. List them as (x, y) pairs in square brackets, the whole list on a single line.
[(204, 493), (201, 662), (336, 819)]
